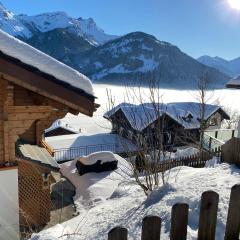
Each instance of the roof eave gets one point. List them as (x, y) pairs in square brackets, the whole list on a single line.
[(20, 74)]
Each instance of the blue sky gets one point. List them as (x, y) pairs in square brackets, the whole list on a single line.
[(198, 27)]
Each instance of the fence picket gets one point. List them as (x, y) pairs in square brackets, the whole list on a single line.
[(118, 233), (179, 221), (151, 228), (208, 216), (233, 220)]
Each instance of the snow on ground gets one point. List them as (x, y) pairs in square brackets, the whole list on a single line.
[(127, 205), (93, 188), (184, 152)]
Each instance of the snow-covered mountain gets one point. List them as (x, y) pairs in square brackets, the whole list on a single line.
[(140, 56), (81, 44), (231, 68), (11, 24), (25, 26)]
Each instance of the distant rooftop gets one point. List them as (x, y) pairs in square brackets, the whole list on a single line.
[(64, 125), (140, 116), (234, 83)]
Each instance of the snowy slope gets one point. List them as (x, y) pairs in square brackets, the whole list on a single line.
[(11, 24), (133, 58), (93, 33), (140, 57), (86, 28), (128, 205), (27, 26)]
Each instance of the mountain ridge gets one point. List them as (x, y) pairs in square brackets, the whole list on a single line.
[(132, 58), (25, 26), (142, 56), (229, 67)]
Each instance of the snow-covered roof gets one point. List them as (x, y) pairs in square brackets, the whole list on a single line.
[(140, 116), (235, 82), (17, 49), (84, 140), (64, 125)]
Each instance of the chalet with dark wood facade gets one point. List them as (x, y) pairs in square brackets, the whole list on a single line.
[(234, 83), (35, 90), (170, 124)]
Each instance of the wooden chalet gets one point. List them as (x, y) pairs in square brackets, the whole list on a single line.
[(60, 128), (30, 100), (179, 122), (234, 83)]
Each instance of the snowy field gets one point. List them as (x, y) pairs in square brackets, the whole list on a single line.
[(115, 199), (227, 98)]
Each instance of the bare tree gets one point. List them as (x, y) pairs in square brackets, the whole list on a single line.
[(145, 127), (203, 96), (232, 123)]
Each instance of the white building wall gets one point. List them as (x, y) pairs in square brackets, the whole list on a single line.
[(9, 204)]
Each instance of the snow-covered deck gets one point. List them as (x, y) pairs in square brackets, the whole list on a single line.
[(69, 147)]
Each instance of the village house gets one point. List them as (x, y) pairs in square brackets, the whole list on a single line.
[(35, 91), (235, 83), (61, 127), (179, 122)]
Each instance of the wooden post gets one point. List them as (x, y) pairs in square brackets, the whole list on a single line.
[(208, 216), (233, 133), (210, 143), (118, 233), (151, 228), (179, 222), (233, 220)]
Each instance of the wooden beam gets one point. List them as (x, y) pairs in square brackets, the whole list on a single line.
[(5, 98), (5, 141), (30, 109), (34, 82)]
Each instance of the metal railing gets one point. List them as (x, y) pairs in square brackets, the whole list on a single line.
[(66, 154), (222, 134), (212, 142), (217, 137)]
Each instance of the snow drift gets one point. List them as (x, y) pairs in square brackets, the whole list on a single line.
[(128, 205)]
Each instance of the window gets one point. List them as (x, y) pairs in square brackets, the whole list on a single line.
[(188, 117), (213, 121)]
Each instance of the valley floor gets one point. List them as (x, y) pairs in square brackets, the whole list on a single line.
[(228, 99)]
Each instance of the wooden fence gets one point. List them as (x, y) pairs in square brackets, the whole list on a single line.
[(151, 226), (197, 160), (231, 151)]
